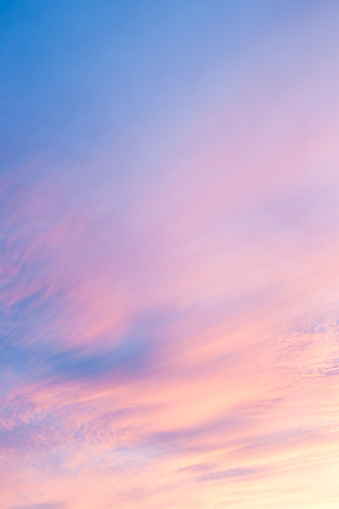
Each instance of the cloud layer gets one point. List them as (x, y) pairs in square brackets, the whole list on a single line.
[(169, 255)]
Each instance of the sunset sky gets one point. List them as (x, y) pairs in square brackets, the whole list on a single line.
[(169, 254)]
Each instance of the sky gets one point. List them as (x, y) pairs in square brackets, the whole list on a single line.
[(169, 254)]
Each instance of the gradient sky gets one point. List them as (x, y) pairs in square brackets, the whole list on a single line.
[(169, 254)]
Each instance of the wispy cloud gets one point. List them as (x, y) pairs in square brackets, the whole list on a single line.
[(169, 255)]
